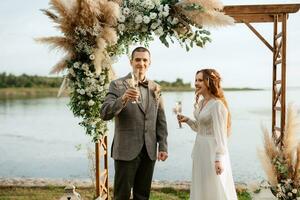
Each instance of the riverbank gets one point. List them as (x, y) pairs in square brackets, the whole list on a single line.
[(161, 190)]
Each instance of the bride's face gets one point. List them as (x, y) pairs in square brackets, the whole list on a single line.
[(201, 88)]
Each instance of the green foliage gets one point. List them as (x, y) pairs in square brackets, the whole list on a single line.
[(27, 81)]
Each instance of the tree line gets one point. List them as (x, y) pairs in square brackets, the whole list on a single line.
[(29, 81)]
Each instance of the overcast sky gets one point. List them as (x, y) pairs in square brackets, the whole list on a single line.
[(241, 58)]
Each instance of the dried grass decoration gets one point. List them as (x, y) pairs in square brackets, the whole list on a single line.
[(95, 32), (282, 164)]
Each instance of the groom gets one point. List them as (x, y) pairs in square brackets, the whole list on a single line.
[(139, 128)]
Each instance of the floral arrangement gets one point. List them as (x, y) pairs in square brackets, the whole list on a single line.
[(282, 164), (95, 32)]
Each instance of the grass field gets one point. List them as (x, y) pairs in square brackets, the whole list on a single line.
[(54, 193)]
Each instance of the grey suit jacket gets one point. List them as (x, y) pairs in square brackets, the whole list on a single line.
[(134, 125)]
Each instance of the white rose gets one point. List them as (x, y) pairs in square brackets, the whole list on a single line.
[(126, 11), (166, 8), (91, 103), (146, 19), (156, 2), (154, 26), (159, 31), (138, 19), (121, 27), (81, 91), (165, 14), (82, 111), (298, 198), (290, 194), (160, 8), (153, 15), (122, 18), (76, 65), (294, 191), (151, 6)]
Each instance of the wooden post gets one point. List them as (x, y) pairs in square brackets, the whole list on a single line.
[(97, 160), (283, 77), (279, 96), (102, 186)]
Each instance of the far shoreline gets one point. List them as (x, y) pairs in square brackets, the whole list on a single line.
[(37, 92)]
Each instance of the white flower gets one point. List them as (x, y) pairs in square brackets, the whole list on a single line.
[(122, 18), (298, 198), (76, 65), (165, 14), (148, 4), (91, 103), (175, 21), (160, 8), (290, 194), (82, 111), (121, 27), (138, 19), (166, 8), (159, 31), (144, 29), (71, 71), (80, 91), (294, 191), (153, 15), (85, 67), (92, 57), (146, 19), (126, 11), (134, 1), (156, 2), (154, 26)]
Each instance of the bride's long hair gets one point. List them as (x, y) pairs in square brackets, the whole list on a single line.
[(212, 80)]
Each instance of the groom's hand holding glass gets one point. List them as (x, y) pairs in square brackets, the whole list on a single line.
[(131, 94)]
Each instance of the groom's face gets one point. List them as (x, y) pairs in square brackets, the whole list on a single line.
[(140, 63)]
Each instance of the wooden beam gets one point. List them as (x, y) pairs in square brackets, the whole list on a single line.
[(259, 36), (253, 18), (261, 9)]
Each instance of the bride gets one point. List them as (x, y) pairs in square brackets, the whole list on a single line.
[(211, 174)]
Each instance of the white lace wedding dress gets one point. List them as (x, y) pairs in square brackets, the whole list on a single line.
[(211, 145)]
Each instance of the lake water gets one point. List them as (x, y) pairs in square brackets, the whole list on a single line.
[(38, 137)]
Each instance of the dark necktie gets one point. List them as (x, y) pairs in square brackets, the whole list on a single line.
[(143, 83)]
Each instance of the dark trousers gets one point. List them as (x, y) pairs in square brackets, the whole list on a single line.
[(136, 174)]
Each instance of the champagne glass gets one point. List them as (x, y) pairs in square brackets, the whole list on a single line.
[(178, 110), (135, 84)]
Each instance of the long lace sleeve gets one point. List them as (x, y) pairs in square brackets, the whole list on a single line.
[(193, 124), (219, 118)]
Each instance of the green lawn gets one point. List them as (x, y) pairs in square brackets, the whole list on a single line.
[(54, 193)]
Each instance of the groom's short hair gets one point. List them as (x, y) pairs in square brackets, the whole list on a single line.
[(140, 49)]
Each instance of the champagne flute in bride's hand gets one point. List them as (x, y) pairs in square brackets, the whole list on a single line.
[(178, 110), (135, 84)]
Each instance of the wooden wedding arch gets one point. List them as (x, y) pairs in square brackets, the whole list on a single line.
[(272, 13)]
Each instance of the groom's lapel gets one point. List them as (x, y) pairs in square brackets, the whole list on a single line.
[(151, 87)]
